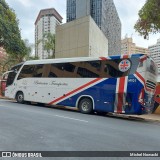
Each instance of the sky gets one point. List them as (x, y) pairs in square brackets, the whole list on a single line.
[(27, 12)]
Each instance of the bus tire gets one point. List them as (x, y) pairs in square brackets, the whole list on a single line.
[(20, 97), (86, 106)]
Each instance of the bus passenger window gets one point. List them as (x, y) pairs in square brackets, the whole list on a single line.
[(111, 71), (69, 67), (56, 70), (83, 72), (106, 70), (59, 66), (95, 64), (51, 74), (26, 72), (38, 70)]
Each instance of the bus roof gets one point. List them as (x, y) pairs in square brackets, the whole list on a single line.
[(76, 59)]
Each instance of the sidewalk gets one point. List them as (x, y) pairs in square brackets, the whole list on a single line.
[(147, 117), (2, 97), (144, 117), (151, 117)]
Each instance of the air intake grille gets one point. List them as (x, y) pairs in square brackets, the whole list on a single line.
[(150, 85)]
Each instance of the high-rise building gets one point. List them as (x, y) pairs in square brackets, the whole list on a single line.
[(46, 22), (154, 52), (128, 47), (104, 14)]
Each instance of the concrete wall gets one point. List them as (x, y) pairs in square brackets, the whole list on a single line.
[(98, 41), (80, 38)]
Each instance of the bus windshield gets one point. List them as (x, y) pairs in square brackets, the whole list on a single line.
[(151, 67), (12, 75)]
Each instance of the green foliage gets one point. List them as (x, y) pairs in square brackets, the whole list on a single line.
[(10, 37), (6, 63), (49, 43), (33, 58), (149, 18), (28, 49)]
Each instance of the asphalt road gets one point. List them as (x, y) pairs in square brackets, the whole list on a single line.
[(35, 128)]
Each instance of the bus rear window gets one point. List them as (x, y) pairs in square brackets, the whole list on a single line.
[(151, 67)]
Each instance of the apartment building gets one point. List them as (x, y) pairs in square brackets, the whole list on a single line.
[(128, 47), (46, 22)]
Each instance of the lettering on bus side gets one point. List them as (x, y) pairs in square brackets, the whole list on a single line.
[(133, 80), (54, 83)]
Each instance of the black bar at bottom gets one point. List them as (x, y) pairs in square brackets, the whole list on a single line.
[(79, 154)]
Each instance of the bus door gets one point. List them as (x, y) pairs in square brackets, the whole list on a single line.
[(129, 103), (107, 101)]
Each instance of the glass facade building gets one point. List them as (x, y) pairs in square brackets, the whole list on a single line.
[(104, 14)]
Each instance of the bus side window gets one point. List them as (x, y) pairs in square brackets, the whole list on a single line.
[(95, 64), (69, 67), (56, 70), (83, 72), (106, 70), (111, 71), (38, 70), (59, 66), (26, 72), (51, 74)]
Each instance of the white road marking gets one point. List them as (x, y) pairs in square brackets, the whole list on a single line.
[(71, 118), (80, 120)]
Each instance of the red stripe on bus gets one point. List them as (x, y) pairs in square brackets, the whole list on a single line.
[(79, 88), (120, 102), (143, 59), (121, 85), (121, 88), (125, 56), (103, 58), (140, 77)]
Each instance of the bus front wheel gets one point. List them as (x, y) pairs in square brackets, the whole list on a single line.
[(86, 106), (20, 97)]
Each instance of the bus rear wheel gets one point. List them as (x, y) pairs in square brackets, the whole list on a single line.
[(86, 106), (20, 97)]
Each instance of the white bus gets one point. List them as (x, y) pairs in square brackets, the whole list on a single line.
[(120, 84)]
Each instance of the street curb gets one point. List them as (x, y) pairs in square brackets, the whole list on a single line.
[(133, 117), (2, 97)]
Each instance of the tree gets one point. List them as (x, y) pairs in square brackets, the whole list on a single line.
[(149, 18), (48, 41), (29, 47), (10, 37)]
